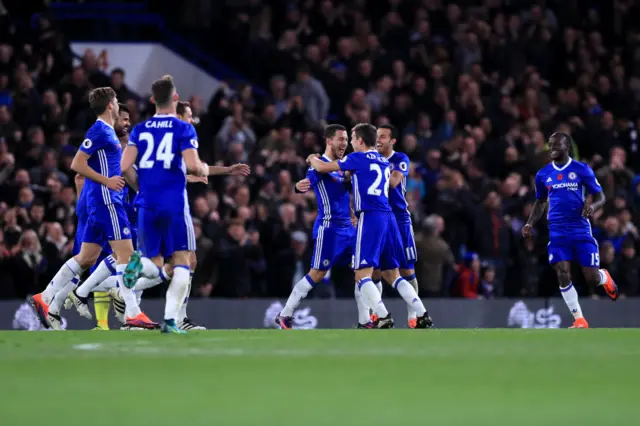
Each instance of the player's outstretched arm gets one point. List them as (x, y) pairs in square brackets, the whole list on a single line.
[(537, 211), (193, 163), (239, 169), (322, 167), (80, 165)]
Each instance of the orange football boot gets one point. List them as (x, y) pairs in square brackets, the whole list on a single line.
[(41, 308), (610, 287), (413, 322), (142, 321), (580, 323)]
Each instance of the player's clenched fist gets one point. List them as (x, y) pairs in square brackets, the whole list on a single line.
[(116, 183), (527, 231), (304, 185)]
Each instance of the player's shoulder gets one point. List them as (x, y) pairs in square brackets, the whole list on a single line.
[(99, 128), (352, 156), (99, 133), (399, 161), (579, 166), (399, 157), (545, 171)]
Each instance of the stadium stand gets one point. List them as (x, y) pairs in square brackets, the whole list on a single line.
[(475, 87)]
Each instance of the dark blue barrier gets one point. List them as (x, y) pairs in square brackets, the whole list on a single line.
[(341, 313)]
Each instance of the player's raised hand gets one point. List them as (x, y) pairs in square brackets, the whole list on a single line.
[(116, 183), (587, 211), (304, 185), (527, 231), (312, 156), (240, 170)]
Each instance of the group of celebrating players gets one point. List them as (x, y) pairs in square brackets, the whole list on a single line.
[(133, 215)]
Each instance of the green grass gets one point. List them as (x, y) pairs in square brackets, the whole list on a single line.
[(314, 378)]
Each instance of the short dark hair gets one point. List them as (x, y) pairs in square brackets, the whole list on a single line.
[(123, 108), (117, 71), (391, 128), (162, 91), (100, 98), (182, 107), (565, 138), (331, 130), (367, 132)]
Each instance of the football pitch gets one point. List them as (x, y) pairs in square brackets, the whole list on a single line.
[(321, 377)]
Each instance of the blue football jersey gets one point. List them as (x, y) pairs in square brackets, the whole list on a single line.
[(397, 196), (81, 205), (161, 169), (104, 150), (370, 180), (333, 198), (567, 188)]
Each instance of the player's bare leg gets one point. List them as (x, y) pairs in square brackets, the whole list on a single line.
[(299, 292), (569, 293), (409, 276), (184, 323), (371, 295), (596, 277), (410, 296), (49, 303), (176, 292)]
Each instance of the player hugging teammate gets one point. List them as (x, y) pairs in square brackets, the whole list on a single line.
[(377, 244)]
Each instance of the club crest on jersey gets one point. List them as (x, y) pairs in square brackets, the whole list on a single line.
[(572, 176), (86, 144)]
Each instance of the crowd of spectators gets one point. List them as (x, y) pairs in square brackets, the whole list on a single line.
[(475, 88)]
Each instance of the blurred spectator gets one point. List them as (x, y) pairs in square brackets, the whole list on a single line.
[(235, 254), (434, 255), (467, 283), (29, 265), (628, 273)]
